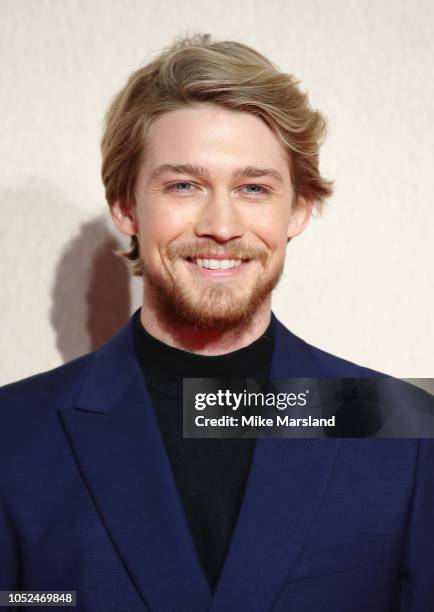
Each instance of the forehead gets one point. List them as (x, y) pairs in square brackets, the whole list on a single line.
[(214, 137)]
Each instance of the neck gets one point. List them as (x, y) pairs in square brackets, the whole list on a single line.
[(205, 341)]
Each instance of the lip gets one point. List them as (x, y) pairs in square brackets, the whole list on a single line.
[(206, 273), (219, 257)]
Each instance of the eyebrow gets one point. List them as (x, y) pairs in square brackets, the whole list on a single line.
[(201, 171)]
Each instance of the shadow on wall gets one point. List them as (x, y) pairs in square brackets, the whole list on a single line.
[(91, 296)]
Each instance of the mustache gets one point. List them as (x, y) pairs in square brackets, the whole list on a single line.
[(231, 250)]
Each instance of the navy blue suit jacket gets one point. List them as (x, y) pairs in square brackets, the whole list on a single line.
[(89, 503)]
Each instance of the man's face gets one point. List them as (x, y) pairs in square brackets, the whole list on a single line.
[(213, 212)]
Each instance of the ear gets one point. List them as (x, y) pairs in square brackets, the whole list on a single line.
[(124, 218), (300, 215)]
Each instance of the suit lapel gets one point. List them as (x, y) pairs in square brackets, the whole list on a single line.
[(118, 447), (286, 482)]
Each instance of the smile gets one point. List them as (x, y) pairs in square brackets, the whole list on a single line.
[(218, 269), (217, 264)]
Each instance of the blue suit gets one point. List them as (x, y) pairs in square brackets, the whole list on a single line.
[(88, 503)]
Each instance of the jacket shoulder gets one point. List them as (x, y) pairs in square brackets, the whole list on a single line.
[(40, 392), (339, 367), (31, 401), (305, 359)]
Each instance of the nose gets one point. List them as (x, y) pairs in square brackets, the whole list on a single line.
[(219, 219)]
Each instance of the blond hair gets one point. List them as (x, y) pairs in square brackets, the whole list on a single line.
[(227, 73)]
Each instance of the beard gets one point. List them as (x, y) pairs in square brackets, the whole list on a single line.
[(213, 304)]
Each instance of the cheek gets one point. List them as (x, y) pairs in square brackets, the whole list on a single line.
[(272, 230), (159, 228)]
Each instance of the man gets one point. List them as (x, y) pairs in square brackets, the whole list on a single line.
[(210, 164)]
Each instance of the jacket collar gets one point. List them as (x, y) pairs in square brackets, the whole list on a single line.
[(114, 366)]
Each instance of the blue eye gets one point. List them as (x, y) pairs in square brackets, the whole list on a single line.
[(257, 189), (182, 184)]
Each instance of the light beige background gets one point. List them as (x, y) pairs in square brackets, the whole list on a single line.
[(358, 283)]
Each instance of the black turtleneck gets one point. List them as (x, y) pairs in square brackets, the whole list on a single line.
[(210, 473)]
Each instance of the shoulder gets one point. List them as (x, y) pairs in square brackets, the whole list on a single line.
[(61, 386), (30, 403), (307, 360), (39, 393), (332, 365), (29, 419)]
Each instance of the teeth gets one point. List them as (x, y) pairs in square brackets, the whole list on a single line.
[(218, 264)]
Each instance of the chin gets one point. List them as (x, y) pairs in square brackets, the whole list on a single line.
[(211, 319), (220, 309)]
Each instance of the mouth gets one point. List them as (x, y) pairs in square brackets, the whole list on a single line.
[(217, 263), (217, 266)]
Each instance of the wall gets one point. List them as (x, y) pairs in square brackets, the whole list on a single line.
[(358, 283)]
